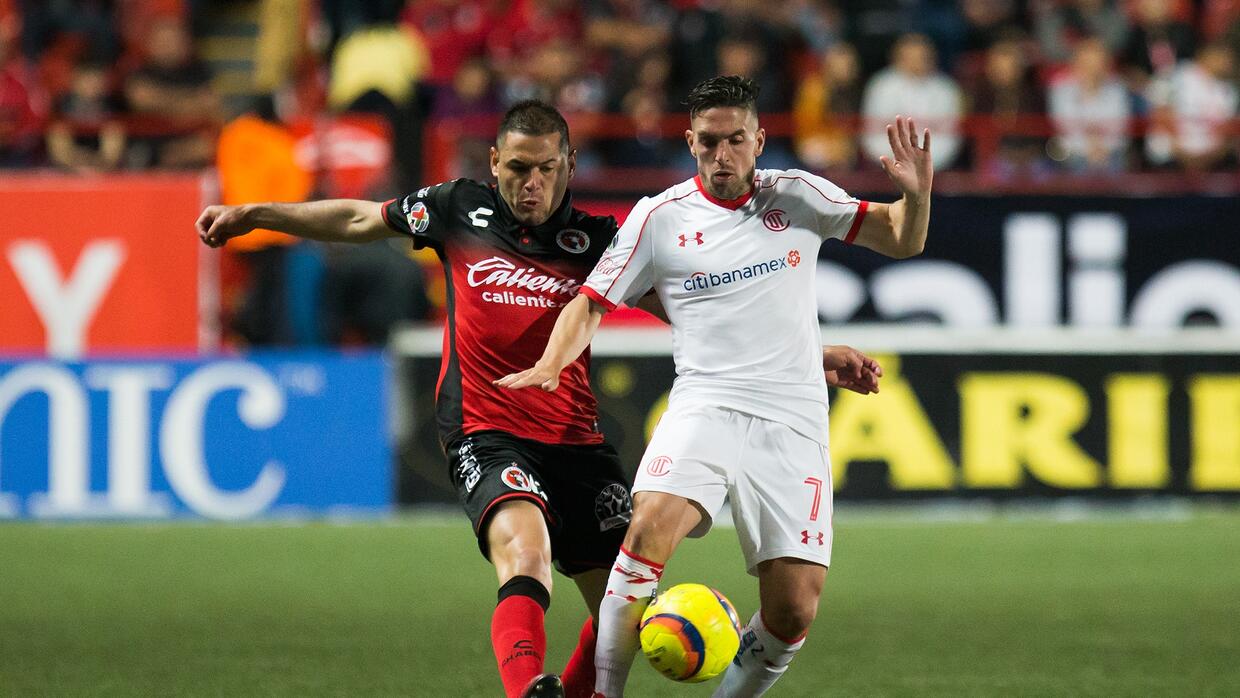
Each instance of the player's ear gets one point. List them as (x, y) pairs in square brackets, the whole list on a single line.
[(759, 138), (494, 162), (572, 163), (690, 140)]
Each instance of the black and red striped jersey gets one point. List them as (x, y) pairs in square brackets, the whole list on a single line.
[(506, 283)]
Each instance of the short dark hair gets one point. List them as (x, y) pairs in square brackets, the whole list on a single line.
[(533, 117), (723, 91)]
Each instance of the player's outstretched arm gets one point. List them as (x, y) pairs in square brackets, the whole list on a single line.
[(899, 229), (333, 220), (849, 369), (572, 334)]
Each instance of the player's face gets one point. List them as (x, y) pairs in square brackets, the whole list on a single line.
[(533, 174), (726, 143)]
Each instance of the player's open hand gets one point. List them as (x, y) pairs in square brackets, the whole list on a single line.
[(849, 369), (219, 224), (910, 168), (539, 376)]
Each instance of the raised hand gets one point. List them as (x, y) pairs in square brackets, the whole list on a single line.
[(910, 168), (219, 224)]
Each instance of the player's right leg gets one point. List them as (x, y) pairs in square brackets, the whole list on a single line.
[(660, 522), (504, 497), (679, 488), (520, 549)]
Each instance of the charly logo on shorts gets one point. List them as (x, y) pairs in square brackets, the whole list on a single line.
[(572, 240), (659, 466), (469, 470), (517, 479), (613, 506)]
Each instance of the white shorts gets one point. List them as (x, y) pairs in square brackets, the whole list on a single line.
[(778, 480)]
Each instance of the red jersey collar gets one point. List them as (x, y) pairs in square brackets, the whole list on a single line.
[(730, 204)]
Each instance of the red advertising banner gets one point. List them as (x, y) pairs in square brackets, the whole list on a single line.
[(100, 264)]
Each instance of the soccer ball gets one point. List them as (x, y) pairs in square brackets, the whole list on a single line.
[(690, 633)]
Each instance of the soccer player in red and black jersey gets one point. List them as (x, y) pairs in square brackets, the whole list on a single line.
[(532, 471)]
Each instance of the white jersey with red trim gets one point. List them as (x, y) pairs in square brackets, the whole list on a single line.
[(737, 280)]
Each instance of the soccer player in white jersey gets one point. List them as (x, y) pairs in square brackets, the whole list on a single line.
[(731, 255)]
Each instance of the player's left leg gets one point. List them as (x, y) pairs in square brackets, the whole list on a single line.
[(789, 590), (595, 506), (578, 674), (782, 508)]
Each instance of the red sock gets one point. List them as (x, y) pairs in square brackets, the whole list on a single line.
[(519, 641), (578, 676)]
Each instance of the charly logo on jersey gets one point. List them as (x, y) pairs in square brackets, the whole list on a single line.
[(517, 479), (497, 271), (573, 240), (701, 280), (776, 220), (613, 506), (417, 215)]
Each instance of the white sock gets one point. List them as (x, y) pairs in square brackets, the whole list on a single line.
[(630, 587), (762, 659)]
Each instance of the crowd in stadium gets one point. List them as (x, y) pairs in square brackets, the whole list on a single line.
[(1021, 86)]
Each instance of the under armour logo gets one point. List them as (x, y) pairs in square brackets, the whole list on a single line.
[(697, 237), (806, 537)]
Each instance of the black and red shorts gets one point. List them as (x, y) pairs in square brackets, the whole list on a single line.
[(581, 490)]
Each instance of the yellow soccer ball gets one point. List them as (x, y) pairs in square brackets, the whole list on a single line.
[(690, 633)]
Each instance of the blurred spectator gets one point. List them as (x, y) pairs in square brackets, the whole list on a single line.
[(256, 161), (22, 105), (699, 32), (382, 58), (986, 22), (827, 104), (376, 70), (526, 28), (556, 73), (1010, 95), (1090, 108), (874, 26), (471, 94), (455, 32), (745, 54), (626, 30), (1156, 43), (172, 95), (1196, 111), (819, 23), (87, 133), (1059, 24), (649, 146), (912, 86)]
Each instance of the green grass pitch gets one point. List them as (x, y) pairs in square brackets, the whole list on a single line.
[(1004, 607)]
